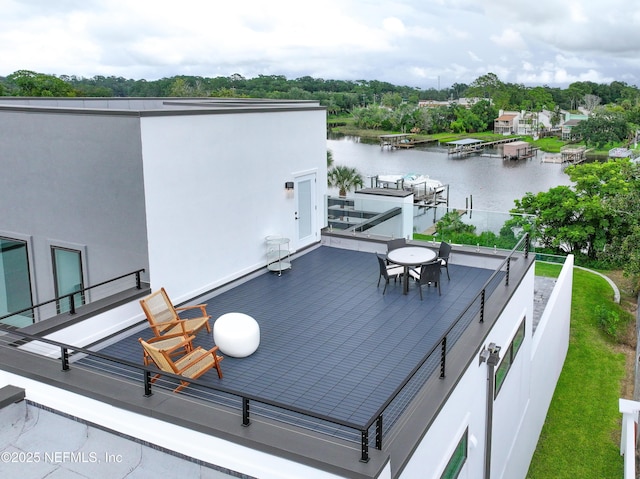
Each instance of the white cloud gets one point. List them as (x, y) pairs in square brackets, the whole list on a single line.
[(577, 14), (400, 41), (394, 25), (474, 57), (509, 38)]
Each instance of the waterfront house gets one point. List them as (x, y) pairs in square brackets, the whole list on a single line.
[(181, 194), (567, 129), (506, 123)]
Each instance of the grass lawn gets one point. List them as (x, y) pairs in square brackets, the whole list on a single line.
[(581, 434)]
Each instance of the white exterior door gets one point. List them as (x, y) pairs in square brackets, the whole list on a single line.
[(306, 207)]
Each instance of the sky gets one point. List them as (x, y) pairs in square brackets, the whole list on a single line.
[(418, 43)]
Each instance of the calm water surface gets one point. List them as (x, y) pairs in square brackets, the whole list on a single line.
[(493, 183)]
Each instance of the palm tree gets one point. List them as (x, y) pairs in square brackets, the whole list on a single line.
[(344, 178), (329, 157)]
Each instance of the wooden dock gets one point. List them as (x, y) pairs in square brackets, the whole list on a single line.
[(393, 141), (573, 155), (469, 146), (402, 141)]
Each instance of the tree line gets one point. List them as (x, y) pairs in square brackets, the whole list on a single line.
[(597, 218), (339, 96), (375, 104)]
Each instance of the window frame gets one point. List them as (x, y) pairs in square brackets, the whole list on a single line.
[(54, 266), (509, 356), (26, 243), (455, 464)]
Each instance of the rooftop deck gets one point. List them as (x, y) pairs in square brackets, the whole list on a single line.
[(331, 342), (331, 345)]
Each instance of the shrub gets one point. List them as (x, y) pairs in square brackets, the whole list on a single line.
[(608, 320)]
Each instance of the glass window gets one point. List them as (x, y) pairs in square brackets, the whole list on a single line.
[(458, 458), (508, 357), (518, 339), (503, 369), (15, 282), (67, 271)]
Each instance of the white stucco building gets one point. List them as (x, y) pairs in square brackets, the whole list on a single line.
[(186, 190)]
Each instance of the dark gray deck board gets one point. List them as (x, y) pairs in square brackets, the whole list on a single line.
[(330, 341)]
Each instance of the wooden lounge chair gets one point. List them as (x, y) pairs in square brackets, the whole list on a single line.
[(174, 345), (164, 319), (192, 365)]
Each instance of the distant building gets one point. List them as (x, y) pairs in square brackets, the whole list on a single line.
[(567, 129), (506, 123)]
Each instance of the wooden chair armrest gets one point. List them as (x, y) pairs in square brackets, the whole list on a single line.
[(203, 308)]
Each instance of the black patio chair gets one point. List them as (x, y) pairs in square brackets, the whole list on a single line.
[(443, 256), (429, 273), (395, 244), (388, 271)]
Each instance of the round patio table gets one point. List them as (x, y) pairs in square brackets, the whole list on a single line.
[(409, 256)]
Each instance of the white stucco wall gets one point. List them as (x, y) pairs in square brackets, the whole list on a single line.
[(214, 189), (548, 352), (522, 403)]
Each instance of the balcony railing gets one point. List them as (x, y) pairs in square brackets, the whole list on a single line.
[(384, 219), (434, 362), (69, 303)]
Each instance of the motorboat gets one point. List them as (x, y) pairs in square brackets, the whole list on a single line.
[(411, 181)]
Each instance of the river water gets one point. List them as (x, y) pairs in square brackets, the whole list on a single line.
[(487, 183)]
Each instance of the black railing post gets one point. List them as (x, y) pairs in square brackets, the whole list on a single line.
[(72, 304), (138, 282), (245, 412), (506, 283), (527, 245), (443, 357), (379, 433), (64, 355), (147, 384), (482, 295), (364, 445)]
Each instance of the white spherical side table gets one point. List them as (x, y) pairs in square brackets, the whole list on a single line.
[(236, 334)]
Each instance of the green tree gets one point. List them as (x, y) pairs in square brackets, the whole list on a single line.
[(581, 219), (486, 113), (451, 224), (602, 128), (624, 204), (29, 83), (345, 178), (391, 100)]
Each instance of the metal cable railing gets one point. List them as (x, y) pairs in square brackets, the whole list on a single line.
[(434, 362)]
